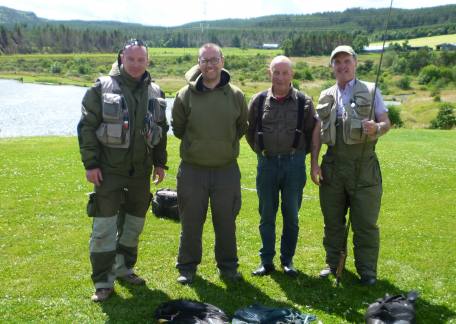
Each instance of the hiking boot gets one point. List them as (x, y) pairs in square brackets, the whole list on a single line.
[(133, 279), (186, 278), (263, 270), (101, 294), (327, 271)]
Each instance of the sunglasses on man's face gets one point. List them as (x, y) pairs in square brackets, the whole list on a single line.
[(134, 42)]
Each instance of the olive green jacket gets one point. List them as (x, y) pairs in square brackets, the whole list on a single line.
[(209, 123), (138, 158)]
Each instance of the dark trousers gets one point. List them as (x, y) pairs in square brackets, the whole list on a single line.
[(196, 186), (284, 174), (117, 224)]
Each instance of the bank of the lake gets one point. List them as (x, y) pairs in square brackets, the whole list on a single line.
[(28, 109)]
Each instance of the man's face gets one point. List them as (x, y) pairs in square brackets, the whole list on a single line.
[(281, 75), (211, 64), (135, 61), (344, 67)]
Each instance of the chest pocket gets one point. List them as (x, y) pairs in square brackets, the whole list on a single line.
[(156, 115), (113, 130)]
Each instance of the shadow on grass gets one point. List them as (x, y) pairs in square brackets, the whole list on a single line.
[(235, 295), (350, 300), (141, 305)]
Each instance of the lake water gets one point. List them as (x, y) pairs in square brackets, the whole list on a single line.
[(28, 109)]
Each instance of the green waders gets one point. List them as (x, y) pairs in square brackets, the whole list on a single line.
[(340, 167), (118, 221)]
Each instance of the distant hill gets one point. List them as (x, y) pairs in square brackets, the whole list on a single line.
[(24, 32)]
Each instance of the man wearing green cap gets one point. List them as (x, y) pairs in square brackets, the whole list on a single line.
[(349, 176)]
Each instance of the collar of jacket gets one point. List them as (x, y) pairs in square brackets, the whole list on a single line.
[(133, 83), (194, 78), (292, 93)]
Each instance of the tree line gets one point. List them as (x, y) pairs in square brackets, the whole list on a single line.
[(298, 35)]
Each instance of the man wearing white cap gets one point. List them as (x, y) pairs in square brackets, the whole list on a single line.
[(349, 175)]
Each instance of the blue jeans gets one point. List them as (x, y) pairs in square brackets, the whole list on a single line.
[(285, 174)]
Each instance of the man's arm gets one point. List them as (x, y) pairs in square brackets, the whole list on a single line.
[(252, 123), (315, 170), (179, 117), (89, 146), (242, 120)]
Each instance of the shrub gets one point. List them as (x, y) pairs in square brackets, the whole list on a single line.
[(56, 68), (404, 83), (445, 118), (429, 73), (394, 114)]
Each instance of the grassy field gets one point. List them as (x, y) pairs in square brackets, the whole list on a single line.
[(431, 41), (44, 235)]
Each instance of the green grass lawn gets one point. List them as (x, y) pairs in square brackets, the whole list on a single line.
[(44, 233), (431, 41)]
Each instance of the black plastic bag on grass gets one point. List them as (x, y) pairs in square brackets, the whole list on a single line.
[(183, 311), (164, 204), (397, 309)]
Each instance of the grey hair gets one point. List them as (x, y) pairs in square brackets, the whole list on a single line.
[(280, 59)]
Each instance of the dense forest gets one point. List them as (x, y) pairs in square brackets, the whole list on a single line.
[(315, 34)]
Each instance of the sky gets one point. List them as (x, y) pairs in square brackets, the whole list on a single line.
[(177, 12)]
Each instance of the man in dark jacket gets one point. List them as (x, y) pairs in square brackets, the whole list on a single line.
[(281, 124), (210, 117), (122, 138)]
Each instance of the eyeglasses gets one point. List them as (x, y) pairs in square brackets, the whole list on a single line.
[(134, 42), (213, 60)]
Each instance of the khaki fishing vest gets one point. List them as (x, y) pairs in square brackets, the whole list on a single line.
[(356, 110), (114, 130)]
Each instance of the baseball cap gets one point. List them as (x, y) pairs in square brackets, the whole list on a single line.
[(342, 49)]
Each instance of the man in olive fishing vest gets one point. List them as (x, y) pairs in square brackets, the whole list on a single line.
[(122, 140), (349, 176)]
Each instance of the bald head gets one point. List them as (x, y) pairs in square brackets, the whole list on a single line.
[(281, 73), (280, 59)]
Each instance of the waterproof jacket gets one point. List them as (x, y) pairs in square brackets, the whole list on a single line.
[(138, 158), (279, 121), (209, 122)]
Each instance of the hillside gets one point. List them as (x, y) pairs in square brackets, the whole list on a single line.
[(312, 34)]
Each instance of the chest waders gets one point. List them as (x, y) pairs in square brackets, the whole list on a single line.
[(351, 180)]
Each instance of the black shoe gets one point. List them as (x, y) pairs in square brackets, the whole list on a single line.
[(230, 275), (290, 270), (368, 281), (327, 271), (264, 270), (186, 278)]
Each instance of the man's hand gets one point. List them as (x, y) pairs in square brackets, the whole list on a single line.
[(369, 127), (315, 173), (94, 176), (158, 175)]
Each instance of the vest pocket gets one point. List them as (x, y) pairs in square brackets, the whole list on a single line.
[(110, 134), (325, 135), (112, 107), (356, 129)]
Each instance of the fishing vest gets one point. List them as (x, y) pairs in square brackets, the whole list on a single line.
[(356, 110), (114, 130)]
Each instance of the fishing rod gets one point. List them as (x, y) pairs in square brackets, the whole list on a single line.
[(343, 252)]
